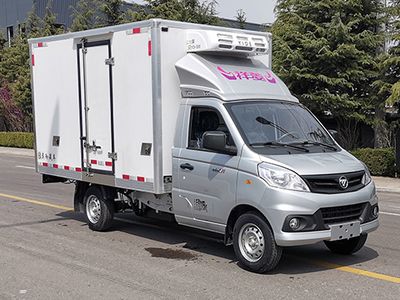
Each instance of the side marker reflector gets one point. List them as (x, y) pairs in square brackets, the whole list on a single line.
[(149, 48)]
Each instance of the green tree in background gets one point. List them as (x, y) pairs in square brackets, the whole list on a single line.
[(85, 15), (2, 41), (15, 82), (50, 27), (112, 12), (389, 79), (387, 84), (395, 51), (241, 18), (193, 11), (325, 52), (33, 24)]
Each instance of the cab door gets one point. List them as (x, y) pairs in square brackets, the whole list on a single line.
[(206, 179)]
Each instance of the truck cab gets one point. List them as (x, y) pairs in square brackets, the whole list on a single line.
[(253, 150)]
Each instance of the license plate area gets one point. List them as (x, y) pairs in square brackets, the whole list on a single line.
[(345, 231)]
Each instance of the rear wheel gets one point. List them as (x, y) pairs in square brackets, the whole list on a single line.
[(99, 211), (347, 246), (254, 244)]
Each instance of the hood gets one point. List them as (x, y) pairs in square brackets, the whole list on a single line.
[(317, 163)]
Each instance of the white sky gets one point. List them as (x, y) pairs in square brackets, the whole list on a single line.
[(257, 11)]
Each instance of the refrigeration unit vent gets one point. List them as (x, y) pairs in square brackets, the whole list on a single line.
[(213, 41)]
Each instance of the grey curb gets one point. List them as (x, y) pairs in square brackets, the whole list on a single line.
[(387, 190), (17, 151)]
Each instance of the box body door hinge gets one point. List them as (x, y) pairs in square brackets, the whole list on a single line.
[(110, 61), (113, 155)]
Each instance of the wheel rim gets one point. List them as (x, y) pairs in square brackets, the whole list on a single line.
[(93, 209), (251, 242)]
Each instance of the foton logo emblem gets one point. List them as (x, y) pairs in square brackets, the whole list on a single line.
[(241, 75), (343, 182)]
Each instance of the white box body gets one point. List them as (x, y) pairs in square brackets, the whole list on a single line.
[(127, 87)]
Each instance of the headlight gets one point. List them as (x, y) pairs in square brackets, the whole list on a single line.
[(281, 178), (367, 176)]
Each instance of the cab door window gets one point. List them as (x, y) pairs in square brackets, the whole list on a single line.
[(203, 119)]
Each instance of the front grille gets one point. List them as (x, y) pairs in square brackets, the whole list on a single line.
[(341, 214), (329, 184)]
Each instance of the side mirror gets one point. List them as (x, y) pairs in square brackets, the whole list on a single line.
[(333, 133), (216, 141)]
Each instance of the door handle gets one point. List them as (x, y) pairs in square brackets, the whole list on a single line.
[(187, 167), (94, 147)]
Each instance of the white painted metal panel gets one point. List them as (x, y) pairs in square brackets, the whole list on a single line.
[(133, 107), (56, 107), (173, 45), (98, 85)]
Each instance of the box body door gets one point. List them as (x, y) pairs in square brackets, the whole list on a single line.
[(95, 68)]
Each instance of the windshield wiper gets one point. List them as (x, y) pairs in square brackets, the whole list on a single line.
[(281, 145), (319, 144), (264, 121)]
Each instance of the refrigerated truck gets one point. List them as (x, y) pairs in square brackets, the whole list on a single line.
[(188, 121)]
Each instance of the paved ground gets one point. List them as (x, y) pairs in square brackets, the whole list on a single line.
[(47, 252)]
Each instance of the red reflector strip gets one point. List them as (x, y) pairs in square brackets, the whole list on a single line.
[(33, 59), (45, 164), (40, 45), (109, 163), (125, 177), (149, 48), (66, 168), (140, 178), (55, 166), (78, 169), (135, 30), (93, 161)]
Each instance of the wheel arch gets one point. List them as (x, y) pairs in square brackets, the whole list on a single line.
[(235, 213), (80, 190)]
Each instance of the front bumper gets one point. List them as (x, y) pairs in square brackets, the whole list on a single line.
[(312, 237), (277, 205)]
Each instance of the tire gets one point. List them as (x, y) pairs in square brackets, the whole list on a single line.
[(254, 244), (99, 211), (347, 246)]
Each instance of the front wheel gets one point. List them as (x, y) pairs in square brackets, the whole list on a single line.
[(254, 244), (99, 211), (347, 246)]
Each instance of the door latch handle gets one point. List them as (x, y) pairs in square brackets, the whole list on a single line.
[(95, 147), (92, 147), (187, 167)]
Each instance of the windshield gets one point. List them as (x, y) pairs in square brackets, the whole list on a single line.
[(280, 125)]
